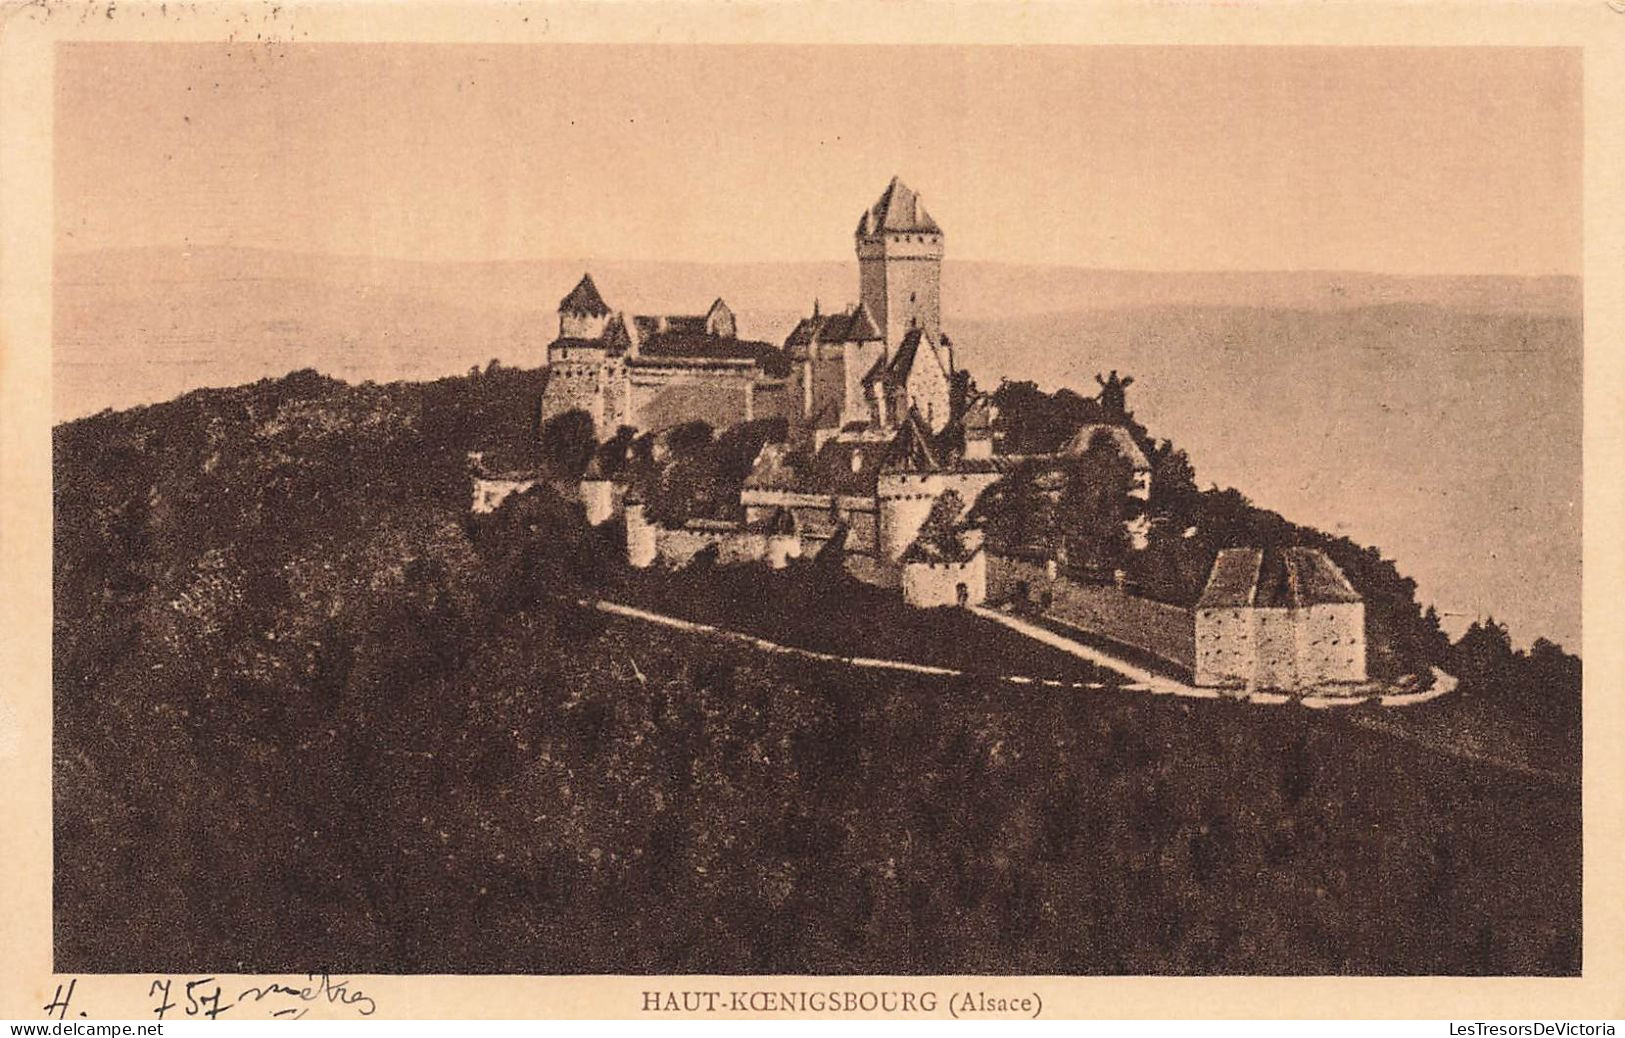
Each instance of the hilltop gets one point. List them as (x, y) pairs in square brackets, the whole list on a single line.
[(408, 755)]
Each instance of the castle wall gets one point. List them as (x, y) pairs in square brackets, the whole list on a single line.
[(1275, 648), (663, 398), (858, 358), (1280, 648), (1162, 630), (930, 584), (777, 399), (1331, 643), (826, 386), (781, 548), (649, 544), (617, 402), (575, 386), (905, 501), (677, 548), (654, 398), (642, 542), (1224, 647), (720, 321), (817, 515), (819, 524), (928, 389), (598, 499)]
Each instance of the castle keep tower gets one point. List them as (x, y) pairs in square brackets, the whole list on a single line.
[(900, 266)]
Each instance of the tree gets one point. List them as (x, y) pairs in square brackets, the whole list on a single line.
[(615, 454), (1095, 505), (689, 437), (537, 545), (939, 538), (1019, 511), (1034, 422), (739, 445), (568, 443), (1173, 482), (687, 483)]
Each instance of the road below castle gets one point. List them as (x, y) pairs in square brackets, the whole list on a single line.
[(1139, 679)]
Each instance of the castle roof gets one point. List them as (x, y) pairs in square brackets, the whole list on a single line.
[(1233, 581), (1316, 580), (1120, 437), (911, 451), (898, 209), (1291, 578), (584, 299), (895, 371), (716, 322), (979, 415), (686, 324), (685, 343), (854, 325), (671, 338)]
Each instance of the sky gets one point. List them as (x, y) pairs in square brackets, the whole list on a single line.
[(1393, 160)]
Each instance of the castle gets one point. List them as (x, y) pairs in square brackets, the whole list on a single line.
[(885, 440), (856, 373)]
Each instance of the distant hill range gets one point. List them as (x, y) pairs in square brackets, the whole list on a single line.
[(1438, 417), (783, 291)]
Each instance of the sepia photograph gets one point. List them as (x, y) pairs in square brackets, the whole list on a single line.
[(842, 509)]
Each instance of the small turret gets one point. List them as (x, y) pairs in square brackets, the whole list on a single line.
[(583, 313)]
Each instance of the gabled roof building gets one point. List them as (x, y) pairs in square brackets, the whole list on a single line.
[(1286, 619)]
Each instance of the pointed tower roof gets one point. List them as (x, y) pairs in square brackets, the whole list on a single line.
[(584, 299), (898, 209), (911, 450)]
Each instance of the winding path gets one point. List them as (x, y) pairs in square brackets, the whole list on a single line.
[(1139, 679), (1144, 680), (763, 644)]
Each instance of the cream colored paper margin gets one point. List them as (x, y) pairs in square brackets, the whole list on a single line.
[(28, 35)]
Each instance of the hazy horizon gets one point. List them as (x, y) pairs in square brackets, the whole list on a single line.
[(71, 248)]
